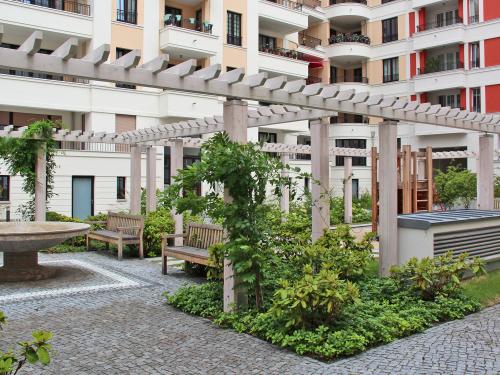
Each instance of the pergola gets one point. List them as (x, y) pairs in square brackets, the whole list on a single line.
[(290, 101)]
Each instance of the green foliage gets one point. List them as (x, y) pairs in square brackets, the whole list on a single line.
[(456, 186), (20, 155), (216, 262), (204, 300), (497, 187), (156, 224), (359, 213), (433, 277), (32, 352), (313, 300), (364, 201), (485, 289)]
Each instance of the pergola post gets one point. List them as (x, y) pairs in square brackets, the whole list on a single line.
[(388, 192), (285, 193), (176, 165), (320, 163), (151, 179), (348, 190), (235, 125), (485, 173), (41, 184), (135, 180)]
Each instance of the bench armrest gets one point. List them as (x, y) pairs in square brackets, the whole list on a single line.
[(167, 236)]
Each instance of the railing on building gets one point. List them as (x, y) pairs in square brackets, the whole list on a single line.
[(235, 40), (23, 73), (349, 38), (308, 41), (94, 147), (311, 3), (440, 67), (335, 2), (313, 79), (66, 5), (437, 25), (288, 4), (390, 78), (126, 16), (473, 19), (284, 52), (189, 23), (354, 79), (296, 157)]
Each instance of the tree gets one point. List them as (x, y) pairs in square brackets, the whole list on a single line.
[(497, 187), (456, 186)]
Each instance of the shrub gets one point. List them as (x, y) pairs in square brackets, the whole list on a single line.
[(359, 213), (439, 276), (204, 300), (455, 186), (497, 187), (156, 224), (215, 262)]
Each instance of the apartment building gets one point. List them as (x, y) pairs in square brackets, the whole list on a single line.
[(438, 51)]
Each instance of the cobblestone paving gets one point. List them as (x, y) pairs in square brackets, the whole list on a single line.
[(131, 331)]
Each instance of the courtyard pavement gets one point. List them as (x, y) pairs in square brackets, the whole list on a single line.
[(110, 318)]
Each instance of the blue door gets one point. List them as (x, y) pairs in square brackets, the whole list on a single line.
[(83, 196)]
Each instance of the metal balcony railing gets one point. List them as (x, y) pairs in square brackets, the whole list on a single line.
[(189, 23), (311, 3), (288, 4), (473, 19), (349, 38), (440, 67), (126, 16), (355, 79), (437, 25), (391, 77), (24, 73), (313, 79), (235, 40), (66, 5), (282, 52), (334, 2), (308, 41)]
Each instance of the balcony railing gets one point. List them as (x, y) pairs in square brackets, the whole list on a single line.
[(308, 41), (334, 2), (126, 16), (311, 3), (390, 78), (65, 5), (296, 55), (95, 147), (473, 19), (354, 79), (440, 67), (313, 79), (235, 40), (189, 23), (349, 38), (437, 25), (23, 73), (288, 4)]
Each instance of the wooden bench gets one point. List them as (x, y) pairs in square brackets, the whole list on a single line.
[(121, 229), (197, 240)]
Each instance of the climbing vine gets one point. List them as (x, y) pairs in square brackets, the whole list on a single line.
[(20, 155)]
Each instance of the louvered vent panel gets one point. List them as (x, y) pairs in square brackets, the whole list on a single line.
[(483, 242)]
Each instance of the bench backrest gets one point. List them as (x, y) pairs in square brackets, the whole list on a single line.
[(203, 236), (116, 220)]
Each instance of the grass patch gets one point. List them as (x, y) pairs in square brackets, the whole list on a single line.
[(484, 289)]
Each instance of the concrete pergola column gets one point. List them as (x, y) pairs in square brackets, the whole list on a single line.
[(135, 180), (320, 163), (285, 193), (388, 193), (485, 173), (41, 184), (235, 125), (348, 190), (176, 165), (150, 179)]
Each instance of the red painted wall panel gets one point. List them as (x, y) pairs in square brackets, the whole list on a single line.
[(460, 4), (492, 98), (461, 54), (411, 21), (423, 56), (423, 97), (421, 17), (463, 99), (492, 52), (413, 98), (491, 9), (413, 65)]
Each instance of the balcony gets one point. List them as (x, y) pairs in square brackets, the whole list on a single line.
[(310, 45), (436, 34), (282, 61), (437, 25), (282, 16), (440, 80), (126, 16), (61, 19), (417, 4), (435, 67), (189, 38), (348, 13), (313, 10), (348, 48), (360, 84)]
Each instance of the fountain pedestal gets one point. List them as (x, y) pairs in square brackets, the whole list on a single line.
[(23, 266)]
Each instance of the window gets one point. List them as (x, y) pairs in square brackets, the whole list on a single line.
[(126, 11), (452, 100), (266, 137), (333, 74), (390, 30), (474, 11), (173, 16), (351, 143), (119, 53), (234, 28), (475, 59), (4, 188), (306, 185), (266, 43), (120, 188), (391, 69), (476, 99)]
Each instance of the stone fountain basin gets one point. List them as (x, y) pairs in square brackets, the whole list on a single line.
[(37, 235)]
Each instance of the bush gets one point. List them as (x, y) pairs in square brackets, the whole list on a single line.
[(433, 277), (456, 186), (313, 300), (497, 187), (359, 214), (204, 300), (156, 224)]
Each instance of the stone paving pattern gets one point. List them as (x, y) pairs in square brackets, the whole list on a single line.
[(132, 331)]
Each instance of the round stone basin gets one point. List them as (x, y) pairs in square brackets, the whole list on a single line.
[(21, 241)]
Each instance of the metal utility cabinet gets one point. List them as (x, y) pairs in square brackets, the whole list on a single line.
[(430, 234)]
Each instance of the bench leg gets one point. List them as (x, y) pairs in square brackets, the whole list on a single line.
[(88, 242), (120, 249), (107, 246), (163, 257), (141, 249)]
